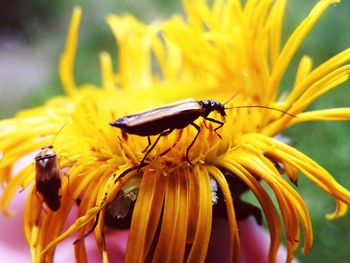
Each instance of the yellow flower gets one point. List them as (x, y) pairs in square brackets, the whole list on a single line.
[(219, 50)]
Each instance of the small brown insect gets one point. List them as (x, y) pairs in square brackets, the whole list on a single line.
[(48, 177)]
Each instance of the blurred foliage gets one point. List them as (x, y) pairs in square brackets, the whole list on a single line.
[(326, 142), (23, 18)]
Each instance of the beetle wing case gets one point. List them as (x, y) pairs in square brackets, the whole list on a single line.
[(176, 115), (169, 105)]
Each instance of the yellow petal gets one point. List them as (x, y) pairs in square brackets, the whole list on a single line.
[(200, 243), (143, 230), (172, 238), (234, 237), (270, 211), (293, 44), (66, 66), (291, 204), (338, 114), (107, 71)]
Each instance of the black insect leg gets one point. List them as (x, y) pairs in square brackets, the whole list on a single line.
[(174, 144), (90, 230), (149, 143), (205, 124), (164, 133), (221, 123), (195, 138), (133, 168)]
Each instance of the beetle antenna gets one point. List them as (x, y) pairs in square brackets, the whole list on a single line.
[(59, 131), (231, 98), (263, 107)]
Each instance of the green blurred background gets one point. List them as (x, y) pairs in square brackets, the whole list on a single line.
[(32, 35)]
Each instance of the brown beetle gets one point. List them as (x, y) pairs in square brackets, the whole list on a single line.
[(48, 177), (177, 115)]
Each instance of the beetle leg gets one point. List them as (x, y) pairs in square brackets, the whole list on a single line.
[(41, 199), (195, 138), (149, 143), (136, 167), (174, 144), (124, 135), (164, 133), (221, 123), (90, 230), (205, 124)]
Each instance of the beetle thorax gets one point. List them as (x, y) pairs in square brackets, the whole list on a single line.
[(45, 153)]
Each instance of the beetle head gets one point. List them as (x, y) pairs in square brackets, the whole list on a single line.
[(212, 105), (45, 153)]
